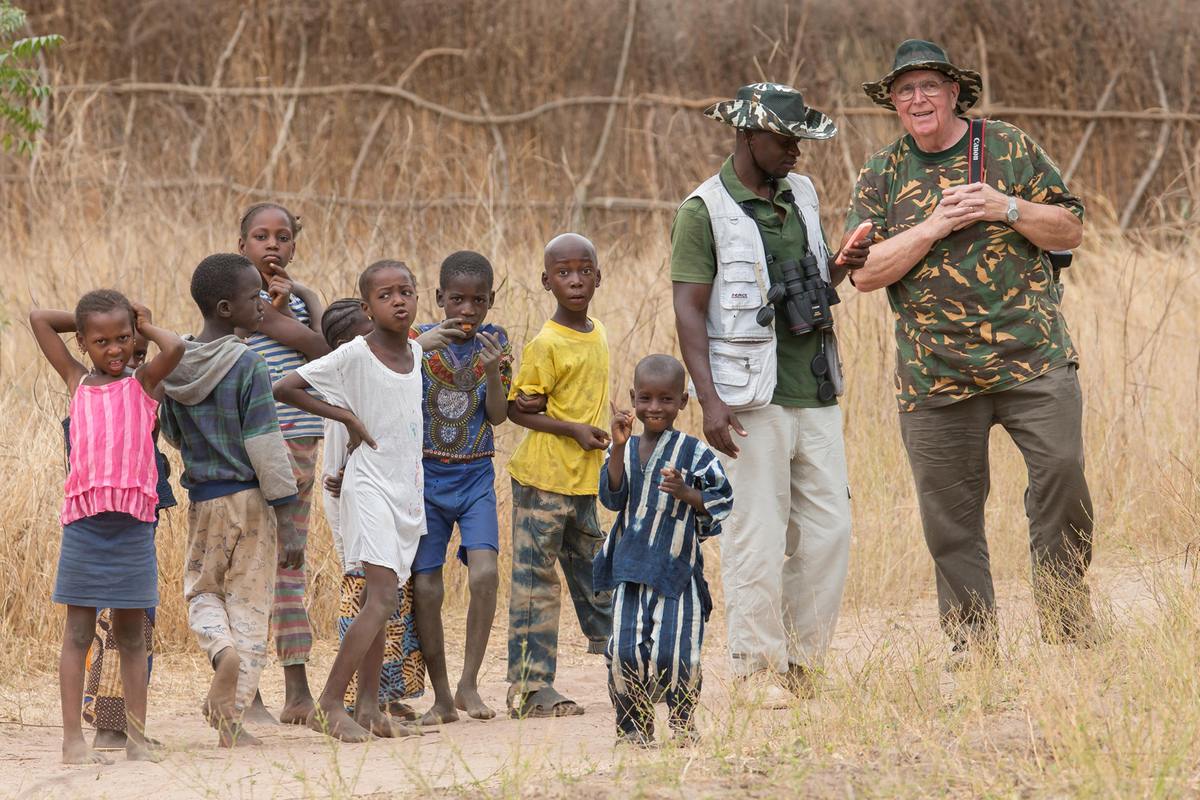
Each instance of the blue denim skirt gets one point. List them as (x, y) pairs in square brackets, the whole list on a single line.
[(107, 561)]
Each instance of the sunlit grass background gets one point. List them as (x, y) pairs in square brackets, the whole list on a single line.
[(117, 197)]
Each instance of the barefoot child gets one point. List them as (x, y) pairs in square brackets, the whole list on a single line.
[(220, 413), (373, 387), (555, 474), (108, 556), (290, 335), (103, 695), (403, 674), (465, 393), (670, 494)]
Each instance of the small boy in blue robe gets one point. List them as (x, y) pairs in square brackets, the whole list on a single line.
[(671, 494)]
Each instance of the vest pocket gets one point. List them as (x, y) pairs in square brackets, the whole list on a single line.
[(739, 289), (736, 370)]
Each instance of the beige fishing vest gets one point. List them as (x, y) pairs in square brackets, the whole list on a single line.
[(741, 352)]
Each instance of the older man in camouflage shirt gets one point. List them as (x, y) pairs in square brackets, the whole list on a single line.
[(980, 340)]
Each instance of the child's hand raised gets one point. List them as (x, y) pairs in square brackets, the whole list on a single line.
[(333, 483), (589, 437), (622, 425), (490, 355), (448, 331), (142, 316)]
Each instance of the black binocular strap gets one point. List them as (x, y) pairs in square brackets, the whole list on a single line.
[(975, 152), (747, 207)]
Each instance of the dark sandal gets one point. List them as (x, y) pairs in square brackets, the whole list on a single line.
[(545, 702), (401, 711)]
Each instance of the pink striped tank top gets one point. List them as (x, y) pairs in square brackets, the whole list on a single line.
[(112, 452)]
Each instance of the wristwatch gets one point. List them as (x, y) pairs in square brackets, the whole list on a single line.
[(1012, 210)]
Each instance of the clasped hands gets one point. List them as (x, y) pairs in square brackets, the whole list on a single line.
[(967, 204)]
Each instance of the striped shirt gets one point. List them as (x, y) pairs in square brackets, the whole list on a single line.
[(112, 452), (283, 360), (656, 538)]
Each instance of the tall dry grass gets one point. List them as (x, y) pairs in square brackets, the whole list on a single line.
[(512, 56), (88, 212), (1130, 307)]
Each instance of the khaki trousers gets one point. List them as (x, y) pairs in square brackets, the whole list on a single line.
[(785, 548), (948, 452), (229, 580)]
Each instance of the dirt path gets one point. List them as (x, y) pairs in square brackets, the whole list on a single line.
[(502, 755)]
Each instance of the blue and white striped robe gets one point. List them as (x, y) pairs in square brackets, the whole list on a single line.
[(653, 563)]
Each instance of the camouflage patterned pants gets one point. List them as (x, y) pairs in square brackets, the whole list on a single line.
[(948, 451), (548, 528)]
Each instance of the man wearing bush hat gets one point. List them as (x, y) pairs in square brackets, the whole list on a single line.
[(785, 548), (961, 247)]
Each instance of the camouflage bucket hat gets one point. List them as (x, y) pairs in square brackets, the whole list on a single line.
[(773, 107), (916, 54)]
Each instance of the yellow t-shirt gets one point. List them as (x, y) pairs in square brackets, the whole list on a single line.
[(571, 369)]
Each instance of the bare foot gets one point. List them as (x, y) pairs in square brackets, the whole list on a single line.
[(219, 707), (440, 714), (234, 735), (401, 711), (143, 752), (77, 751), (210, 714), (231, 733), (220, 700), (467, 699), (258, 714), (337, 723), (381, 724), (297, 711)]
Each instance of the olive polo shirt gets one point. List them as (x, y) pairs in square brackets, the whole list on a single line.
[(694, 260)]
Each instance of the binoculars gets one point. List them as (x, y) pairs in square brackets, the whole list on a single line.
[(802, 300)]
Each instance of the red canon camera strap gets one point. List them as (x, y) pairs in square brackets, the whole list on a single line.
[(975, 152)]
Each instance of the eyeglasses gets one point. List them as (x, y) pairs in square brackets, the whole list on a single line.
[(928, 88)]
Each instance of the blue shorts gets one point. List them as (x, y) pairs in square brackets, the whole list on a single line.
[(462, 493)]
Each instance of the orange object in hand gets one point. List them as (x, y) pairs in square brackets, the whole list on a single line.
[(859, 232)]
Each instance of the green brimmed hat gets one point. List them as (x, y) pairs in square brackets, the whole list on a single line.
[(773, 107), (916, 54)]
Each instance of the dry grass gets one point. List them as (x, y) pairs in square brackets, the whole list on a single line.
[(888, 715), (1121, 722)]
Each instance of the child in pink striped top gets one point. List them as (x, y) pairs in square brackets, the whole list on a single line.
[(107, 558)]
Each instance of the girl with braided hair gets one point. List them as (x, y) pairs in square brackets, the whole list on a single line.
[(107, 558), (288, 337)]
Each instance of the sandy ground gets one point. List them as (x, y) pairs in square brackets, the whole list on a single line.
[(529, 757)]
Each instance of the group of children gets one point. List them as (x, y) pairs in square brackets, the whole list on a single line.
[(407, 414)]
